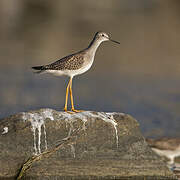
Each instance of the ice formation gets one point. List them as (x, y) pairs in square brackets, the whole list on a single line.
[(38, 122), (107, 117), (5, 130)]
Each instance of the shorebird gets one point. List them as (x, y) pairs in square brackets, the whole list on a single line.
[(75, 64), (168, 147)]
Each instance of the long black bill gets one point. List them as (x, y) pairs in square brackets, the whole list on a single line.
[(114, 41)]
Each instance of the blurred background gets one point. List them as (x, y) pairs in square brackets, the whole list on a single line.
[(141, 76)]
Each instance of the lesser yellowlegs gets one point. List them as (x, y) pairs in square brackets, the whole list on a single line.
[(75, 64), (168, 147)]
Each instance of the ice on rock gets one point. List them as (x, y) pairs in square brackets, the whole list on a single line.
[(84, 116), (5, 130), (37, 120)]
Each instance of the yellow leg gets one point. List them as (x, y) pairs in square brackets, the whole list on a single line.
[(67, 92), (71, 95)]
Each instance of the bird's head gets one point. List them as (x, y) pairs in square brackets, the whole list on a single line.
[(102, 36)]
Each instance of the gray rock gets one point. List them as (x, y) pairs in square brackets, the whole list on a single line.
[(102, 145)]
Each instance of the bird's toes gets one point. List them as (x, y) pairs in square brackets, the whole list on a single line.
[(76, 111)]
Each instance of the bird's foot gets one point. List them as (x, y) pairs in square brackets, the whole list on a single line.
[(76, 111), (71, 112)]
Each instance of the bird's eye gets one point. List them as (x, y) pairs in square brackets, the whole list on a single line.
[(103, 35)]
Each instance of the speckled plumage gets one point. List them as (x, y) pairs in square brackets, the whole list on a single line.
[(71, 62)]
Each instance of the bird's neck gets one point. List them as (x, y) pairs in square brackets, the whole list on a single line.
[(93, 46)]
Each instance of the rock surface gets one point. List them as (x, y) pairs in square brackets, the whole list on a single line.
[(107, 145)]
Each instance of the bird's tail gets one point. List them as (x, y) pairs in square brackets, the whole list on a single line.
[(39, 69)]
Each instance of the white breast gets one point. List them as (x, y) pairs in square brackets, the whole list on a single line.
[(84, 68)]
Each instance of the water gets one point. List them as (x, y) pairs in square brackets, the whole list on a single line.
[(139, 77)]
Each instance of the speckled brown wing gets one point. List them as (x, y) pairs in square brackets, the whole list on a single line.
[(72, 62)]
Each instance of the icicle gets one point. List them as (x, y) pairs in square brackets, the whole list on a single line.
[(39, 139), (45, 140), (34, 138)]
